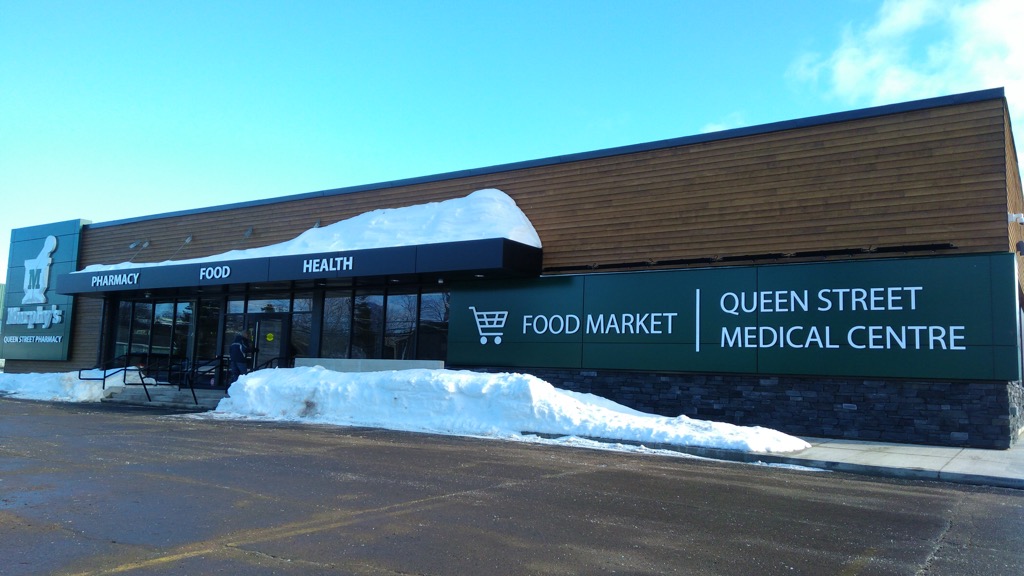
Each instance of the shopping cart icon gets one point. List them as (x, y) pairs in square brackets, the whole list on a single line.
[(490, 324)]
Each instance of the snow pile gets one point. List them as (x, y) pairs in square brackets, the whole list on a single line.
[(474, 404), (484, 214), (509, 406), (64, 387)]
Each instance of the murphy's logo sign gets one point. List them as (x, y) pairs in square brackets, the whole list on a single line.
[(37, 273), (927, 317), (36, 282), (37, 319)]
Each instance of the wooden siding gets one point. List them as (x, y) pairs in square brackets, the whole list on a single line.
[(1014, 198), (936, 176)]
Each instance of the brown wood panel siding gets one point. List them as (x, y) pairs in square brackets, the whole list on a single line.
[(923, 177), (1014, 197)]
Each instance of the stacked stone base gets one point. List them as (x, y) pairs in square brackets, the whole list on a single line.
[(965, 414)]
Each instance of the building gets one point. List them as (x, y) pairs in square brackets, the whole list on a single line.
[(848, 275), (3, 291)]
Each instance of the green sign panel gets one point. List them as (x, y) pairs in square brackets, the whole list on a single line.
[(37, 320), (943, 317)]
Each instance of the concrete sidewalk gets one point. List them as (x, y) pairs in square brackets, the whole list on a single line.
[(1003, 468), (1000, 468)]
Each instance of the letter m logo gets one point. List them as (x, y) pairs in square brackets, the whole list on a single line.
[(37, 273), (34, 276)]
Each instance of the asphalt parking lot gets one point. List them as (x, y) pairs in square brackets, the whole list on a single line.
[(98, 489)]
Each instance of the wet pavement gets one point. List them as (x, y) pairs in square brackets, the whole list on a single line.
[(89, 489)]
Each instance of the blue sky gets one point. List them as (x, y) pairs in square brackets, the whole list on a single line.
[(111, 110)]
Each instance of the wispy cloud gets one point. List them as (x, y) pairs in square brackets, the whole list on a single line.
[(733, 120), (923, 48)]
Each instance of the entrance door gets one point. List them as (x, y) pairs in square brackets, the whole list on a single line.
[(271, 341), (156, 336)]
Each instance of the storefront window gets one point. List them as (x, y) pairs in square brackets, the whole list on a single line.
[(157, 336), (163, 329), (367, 325), (183, 333), (269, 305), (142, 322), (124, 329), (207, 327), (302, 323), (432, 332), (177, 337), (234, 324), (400, 327), (337, 328), (236, 306), (302, 303)]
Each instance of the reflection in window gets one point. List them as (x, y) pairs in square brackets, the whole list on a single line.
[(337, 330), (367, 325), (234, 324), (432, 333), (207, 328), (163, 328), (302, 325), (124, 329), (400, 327), (303, 302), (277, 303), (142, 322), (395, 323), (301, 329), (183, 334), (155, 335)]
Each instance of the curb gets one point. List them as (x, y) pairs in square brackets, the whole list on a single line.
[(829, 465)]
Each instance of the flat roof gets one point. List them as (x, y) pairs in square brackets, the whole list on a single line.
[(833, 118)]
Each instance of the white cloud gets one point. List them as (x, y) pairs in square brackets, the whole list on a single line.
[(924, 48), (900, 17), (733, 120)]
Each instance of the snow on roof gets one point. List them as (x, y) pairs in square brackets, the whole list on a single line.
[(484, 214)]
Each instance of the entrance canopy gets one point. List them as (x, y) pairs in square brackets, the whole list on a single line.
[(483, 234), (497, 257)]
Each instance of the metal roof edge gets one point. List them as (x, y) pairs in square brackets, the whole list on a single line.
[(831, 118)]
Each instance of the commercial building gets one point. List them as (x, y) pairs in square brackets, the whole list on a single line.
[(848, 275)]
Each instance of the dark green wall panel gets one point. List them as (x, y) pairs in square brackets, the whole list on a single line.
[(941, 318)]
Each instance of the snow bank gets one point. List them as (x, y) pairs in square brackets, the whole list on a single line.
[(64, 387), (484, 214), (509, 406), (476, 404)]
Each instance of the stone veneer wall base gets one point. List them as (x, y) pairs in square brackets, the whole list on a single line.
[(967, 414)]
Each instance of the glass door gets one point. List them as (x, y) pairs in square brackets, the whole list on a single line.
[(156, 337), (208, 365), (271, 341)]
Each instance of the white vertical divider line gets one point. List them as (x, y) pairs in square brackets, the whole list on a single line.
[(697, 324)]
